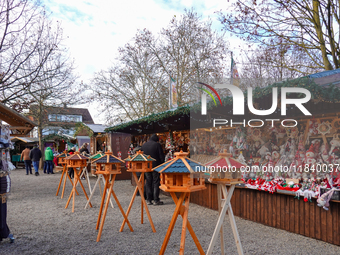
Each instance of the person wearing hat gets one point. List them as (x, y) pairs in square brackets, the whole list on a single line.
[(35, 156), (155, 150)]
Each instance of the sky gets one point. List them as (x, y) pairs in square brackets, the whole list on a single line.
[(94, 30)]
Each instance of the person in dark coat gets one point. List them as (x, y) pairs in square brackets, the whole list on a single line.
[(155, 150), (35, 156)]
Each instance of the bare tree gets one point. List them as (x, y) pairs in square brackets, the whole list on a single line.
[(193, 52), (28, 42), (264, 66), (134, 86), (137, 85), (307, 26)]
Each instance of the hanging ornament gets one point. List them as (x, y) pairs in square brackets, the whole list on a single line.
[(324, 128), (168, 142)]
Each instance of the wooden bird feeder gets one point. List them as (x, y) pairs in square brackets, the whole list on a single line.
[(62, 161), (93, 158), (225, 169), (108, 164), (62, 158), (139, 163), (179, 175), (76, 160)]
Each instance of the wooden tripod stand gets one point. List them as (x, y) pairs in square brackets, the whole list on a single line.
[(76, 180), (140, 188), (64, 173), (101, 220), (224, 206), (183, 211)]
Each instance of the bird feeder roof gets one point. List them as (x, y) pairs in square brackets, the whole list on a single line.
[(76, 156), (139, 156), (63, 155), (108, 158), (224, 159), (180, 164), (97, 155)]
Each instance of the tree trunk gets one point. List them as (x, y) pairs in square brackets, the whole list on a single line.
[(41, 145), (318, 29)]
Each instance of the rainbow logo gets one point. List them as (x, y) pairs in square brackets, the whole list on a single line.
[(209, 93)]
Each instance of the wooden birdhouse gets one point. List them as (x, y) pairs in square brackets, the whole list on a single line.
[(62, 158), (92, 159), (225, 169), (108, 164), (181, 174), (139, 163), (76, 160)]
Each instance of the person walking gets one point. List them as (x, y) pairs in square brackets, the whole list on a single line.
[(35, 156), (25, 155), (49, 160), (155, 150)]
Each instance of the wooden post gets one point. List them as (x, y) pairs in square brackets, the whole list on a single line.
[(141, 204), (61, 180), (185, 222), (183, 211), (76, 180), (172, 223), (141, 192), (100, 177), (109, 193), (219, 201), (226, 206)]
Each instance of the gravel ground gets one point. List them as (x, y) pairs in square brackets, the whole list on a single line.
[(41, 225)]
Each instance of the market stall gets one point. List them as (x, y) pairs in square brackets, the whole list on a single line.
[(17, 125), (305, 149)]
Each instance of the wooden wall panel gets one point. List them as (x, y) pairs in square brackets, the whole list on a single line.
[(274, 221), (286, 212), (318, 222), (335, 210), (323, 225), (283, 211), (302, 216), (270, 209), (291, 213), (312, 219), (329, 223), (296, 216), (307, 213), (279, 211)]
